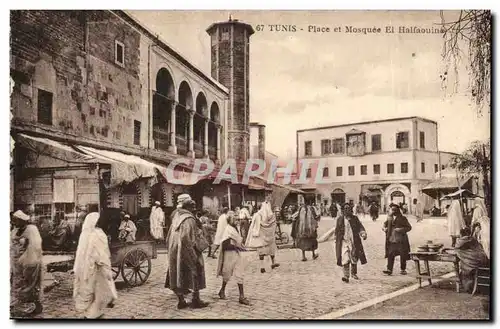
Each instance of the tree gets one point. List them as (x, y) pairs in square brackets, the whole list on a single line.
[(471, 33), (473, 161)]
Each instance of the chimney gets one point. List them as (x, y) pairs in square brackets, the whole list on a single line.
[(262, 142), (258, 140)]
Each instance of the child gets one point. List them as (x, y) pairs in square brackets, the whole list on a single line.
[(231, 262), (207, 230)]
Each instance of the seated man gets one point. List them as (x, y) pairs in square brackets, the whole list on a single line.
[(471, 256), (127, 230), (435, 211), (61, 235)]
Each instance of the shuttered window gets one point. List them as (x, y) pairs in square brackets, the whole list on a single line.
[(44, 107), (308, 148), (137, 132), (404, 167), (338, 146), (326, 147), (376, 142)]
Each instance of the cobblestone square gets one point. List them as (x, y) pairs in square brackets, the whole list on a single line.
[(295, 290)]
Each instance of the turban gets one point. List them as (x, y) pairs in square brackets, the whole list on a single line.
[(21, 215), (183, 198)]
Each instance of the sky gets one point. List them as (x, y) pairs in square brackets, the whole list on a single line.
[(301, 79)]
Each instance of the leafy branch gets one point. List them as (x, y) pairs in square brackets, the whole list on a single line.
[(474, 28)]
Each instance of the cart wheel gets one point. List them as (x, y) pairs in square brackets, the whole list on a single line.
[(116, 272), (136, 267), (284, 238)]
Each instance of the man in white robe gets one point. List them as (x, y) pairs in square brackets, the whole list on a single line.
[(221, 227), (157, 221), (262, 235)]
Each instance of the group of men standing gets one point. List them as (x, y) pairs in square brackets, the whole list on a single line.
[(186, 242), (349, 233)]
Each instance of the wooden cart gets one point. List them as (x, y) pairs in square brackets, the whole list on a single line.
[(132, 261)]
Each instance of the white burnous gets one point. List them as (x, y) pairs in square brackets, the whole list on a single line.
[(157, 221)]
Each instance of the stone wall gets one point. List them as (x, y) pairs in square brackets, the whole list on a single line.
[(71, 55)]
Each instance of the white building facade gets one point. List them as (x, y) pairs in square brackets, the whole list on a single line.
[(383, 161)]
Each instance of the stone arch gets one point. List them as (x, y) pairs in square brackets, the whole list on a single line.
[(202, 104), (45, 76), (164, 83), (185, 94), (163, 98), (214, 113), (397, 188), (338, 195), (44, 91)]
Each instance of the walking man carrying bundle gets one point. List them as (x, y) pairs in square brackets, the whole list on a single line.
[(349, 249)]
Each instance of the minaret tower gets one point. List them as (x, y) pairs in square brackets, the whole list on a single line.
[(230, 42)]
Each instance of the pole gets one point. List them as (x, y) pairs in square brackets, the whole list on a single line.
[(458, 184), (100, 188), (229, 196)]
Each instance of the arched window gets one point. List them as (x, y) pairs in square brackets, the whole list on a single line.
[(199, 124), (212, 131), (162, 107), (182, 118)]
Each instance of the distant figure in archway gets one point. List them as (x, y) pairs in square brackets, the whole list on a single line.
[(374, 211)]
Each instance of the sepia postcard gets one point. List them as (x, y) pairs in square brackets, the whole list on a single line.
[(271, 165)]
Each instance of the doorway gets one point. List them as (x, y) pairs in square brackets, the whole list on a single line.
[(130, 199), (338, 196), (157, 194), (397, 197)]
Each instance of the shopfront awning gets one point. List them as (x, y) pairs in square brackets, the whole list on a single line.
[(462, 193), (257, 187), (446, 183), (125, 168), (53, 149)]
